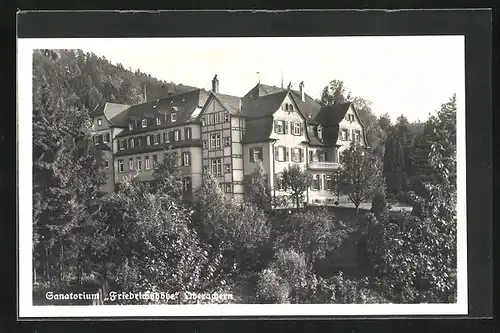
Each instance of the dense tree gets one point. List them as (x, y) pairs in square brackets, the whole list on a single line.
[(384, 121), (416, 256), (167, 176), (314, 233), (335, 93), (296, 181), (150, 246), (65, 170), (397, 157), (374, 133), (238, 229), (440, 127), (360, 175), (258, 192)]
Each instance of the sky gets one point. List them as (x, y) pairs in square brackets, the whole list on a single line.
[(409, 75)]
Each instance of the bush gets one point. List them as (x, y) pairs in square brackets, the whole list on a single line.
[(271, 288), (314, 233)]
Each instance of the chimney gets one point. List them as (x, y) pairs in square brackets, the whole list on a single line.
[(144, 93), (239, 105), (302, 92), (215, 84)]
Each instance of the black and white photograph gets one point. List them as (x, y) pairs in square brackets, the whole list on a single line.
[(243, 176)]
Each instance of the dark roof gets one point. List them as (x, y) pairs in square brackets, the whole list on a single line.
[(332, 114), (309, 108), (183, 105), (159, 148), (258, 130), (263, 106), (231, 103), (261, 90)]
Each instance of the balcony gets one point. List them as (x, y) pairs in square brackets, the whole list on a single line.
[(323, 165)]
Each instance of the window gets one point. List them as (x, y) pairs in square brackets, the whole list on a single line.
[(227, 141), (217, 118), (256, 154), (210, 119), (291, 107), (139, 141), (156, 138), (296, 155), (148, 140), (320, 156), (328, 183), (204, 143), (131, 164), (215, 141), (205, 169), (344, 135), (130, 127), (229, 187), (311, 155), (147, 163), (281, 154), (280, 184), (177, 135), (186, 159), (99, 122), (357, 136), (120, 165), (186, 182), (227, 167), (121, 145), (138, 164), (280, 127), (296, 128), (158, 121), (132, 141), (173, 117), (166, 137), (155, 161), (137, 123), (315, 183), (144, 123), (187, 133), (320, 133), (106, 137), (203, 121), (106, 164), (217, 166), (226, 117)]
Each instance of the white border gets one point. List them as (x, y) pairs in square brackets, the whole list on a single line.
[(25, 49)]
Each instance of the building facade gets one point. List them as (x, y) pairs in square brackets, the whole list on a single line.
[(228, 136)]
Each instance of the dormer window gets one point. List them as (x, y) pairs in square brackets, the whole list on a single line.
[(99, 122), (144, 123), (173, 117), (203, 121), (130, 127), (320, 133), (158, 121)]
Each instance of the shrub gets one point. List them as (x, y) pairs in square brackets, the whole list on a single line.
[(271, 288), (314, 233)]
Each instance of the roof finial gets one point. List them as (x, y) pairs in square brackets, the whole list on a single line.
[(258, 76), (281, 77), (289, 85)]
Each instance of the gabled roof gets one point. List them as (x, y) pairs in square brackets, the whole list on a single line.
[(185, 105), (332, 114), (231, 103), (114, 113), (261, 90), (263, 106)]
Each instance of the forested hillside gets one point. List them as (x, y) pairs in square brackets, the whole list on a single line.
[(93, 79)]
